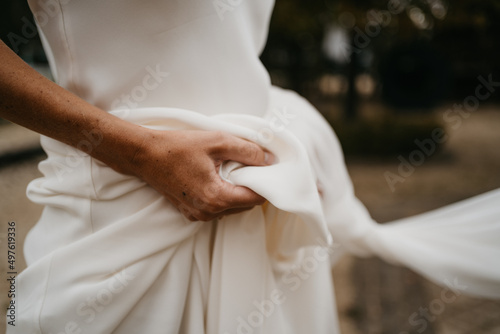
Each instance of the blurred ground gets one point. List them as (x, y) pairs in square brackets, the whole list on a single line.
[(373, 297)]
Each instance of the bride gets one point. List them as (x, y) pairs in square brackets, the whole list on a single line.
[(185, 194)]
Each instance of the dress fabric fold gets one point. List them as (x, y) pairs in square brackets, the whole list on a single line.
[(111, 255), (149, 267)]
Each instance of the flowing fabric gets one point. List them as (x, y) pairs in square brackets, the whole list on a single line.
[(111, 255)]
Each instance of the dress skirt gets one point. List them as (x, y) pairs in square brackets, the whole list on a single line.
[(111, 255)]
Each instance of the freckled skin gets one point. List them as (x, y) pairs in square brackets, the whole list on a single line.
[(181, 165)]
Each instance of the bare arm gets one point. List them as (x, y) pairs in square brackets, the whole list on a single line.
[(181, 165)]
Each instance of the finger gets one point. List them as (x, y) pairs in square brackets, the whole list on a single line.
[(192, 218), (182, 208), (228, 212), (231, 199), (245, 152), (238, 197), (235, 211)]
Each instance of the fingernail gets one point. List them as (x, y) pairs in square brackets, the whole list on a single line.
[(269, 158)]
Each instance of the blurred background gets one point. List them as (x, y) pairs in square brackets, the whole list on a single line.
[(410, 88)]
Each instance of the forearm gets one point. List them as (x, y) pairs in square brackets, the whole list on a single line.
[(30, 100), (181, 165)]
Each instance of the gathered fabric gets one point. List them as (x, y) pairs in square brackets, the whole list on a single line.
[(111, 255), (125, 260)]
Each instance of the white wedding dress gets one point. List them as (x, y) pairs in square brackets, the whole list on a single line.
[(111, 255)]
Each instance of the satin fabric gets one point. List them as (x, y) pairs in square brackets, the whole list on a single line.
[(111, 255)]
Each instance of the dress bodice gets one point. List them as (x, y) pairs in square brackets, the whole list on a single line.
[(200, 55)]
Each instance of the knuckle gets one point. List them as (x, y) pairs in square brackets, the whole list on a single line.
[(214, 208), (213, 198), (245, 149), (254, 153), (251, 151), (184, 210), (211, 195), (221, 137), (199, 204)]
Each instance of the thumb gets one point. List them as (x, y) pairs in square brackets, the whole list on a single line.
[(240, 196), (247, 153)]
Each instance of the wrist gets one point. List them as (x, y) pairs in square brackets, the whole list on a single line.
[(122, 145)]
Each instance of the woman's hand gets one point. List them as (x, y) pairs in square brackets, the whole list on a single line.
[(184, 167)]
